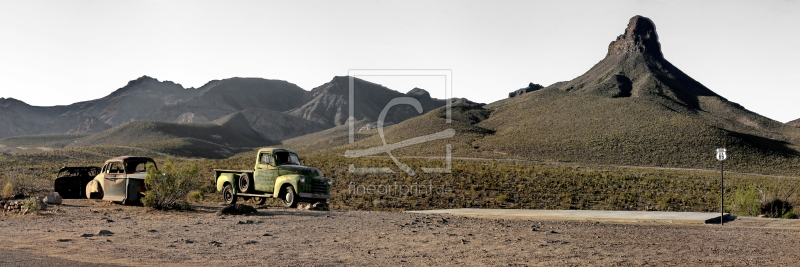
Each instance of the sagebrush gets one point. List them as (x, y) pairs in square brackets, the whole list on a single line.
[(167, 188)]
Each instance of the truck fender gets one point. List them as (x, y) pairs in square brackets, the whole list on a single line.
[(227, 177), (292, 179)]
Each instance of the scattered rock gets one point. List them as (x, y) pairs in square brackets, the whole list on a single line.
[(87, 235), (237, 209), (321, 205), (246, 222), (106, 220), (63, 240), (266, 234), (152, 231), (250, 242), (53, 198), (104, 233), (215, 243)]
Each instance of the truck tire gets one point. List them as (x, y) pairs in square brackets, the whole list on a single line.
[(228, 195), (245, 183), (289, 198)]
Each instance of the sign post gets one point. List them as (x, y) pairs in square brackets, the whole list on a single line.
[(721, 156)]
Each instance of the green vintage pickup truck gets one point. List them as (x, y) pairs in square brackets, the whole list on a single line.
[(277, 174)]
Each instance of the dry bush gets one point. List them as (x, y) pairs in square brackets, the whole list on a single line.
[(21, 182), (773, 203), (167, 189)]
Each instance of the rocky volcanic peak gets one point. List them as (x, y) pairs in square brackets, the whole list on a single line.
[(635, 67), (640, 37)]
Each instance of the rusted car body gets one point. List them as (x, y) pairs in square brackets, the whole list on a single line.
[(72, 181), (120, 180)]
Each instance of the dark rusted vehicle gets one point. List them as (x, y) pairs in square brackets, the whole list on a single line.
[(72, 181), (120, 180)]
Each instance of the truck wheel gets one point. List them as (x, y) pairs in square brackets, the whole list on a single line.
[(245, 183), (94, 195), (289, 198), (228, 195)]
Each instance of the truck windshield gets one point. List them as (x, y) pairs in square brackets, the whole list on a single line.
[(286, 158)]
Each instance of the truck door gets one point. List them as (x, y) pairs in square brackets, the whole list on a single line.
[(265, 173)]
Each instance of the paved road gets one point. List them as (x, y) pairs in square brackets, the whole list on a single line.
[(632, 216), (603, 215)]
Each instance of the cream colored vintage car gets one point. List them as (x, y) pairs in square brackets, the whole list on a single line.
[(120, 180)]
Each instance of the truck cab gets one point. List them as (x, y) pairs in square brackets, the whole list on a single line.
[(277, 173)]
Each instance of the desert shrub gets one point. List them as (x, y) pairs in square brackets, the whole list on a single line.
[(32, 205), (776, 208), (21, 182), (755, 201), (197, 195), (8, 190), (746, 201), (167, 189)]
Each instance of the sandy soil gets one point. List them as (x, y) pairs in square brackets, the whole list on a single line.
[(290, 237)]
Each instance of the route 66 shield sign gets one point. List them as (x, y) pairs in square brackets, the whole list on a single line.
[(721, 155)]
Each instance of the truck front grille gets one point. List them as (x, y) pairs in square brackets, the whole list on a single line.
[(319, 187)]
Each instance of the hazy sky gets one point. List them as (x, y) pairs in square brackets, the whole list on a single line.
[(61, 52)]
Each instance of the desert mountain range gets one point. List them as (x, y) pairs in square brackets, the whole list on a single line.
[(277, 109), (632, 107)]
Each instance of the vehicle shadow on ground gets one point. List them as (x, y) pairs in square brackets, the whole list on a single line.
[(265, 211)]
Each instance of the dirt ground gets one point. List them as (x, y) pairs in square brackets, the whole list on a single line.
[(290, 237)]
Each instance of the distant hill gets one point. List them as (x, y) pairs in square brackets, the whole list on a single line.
[(531, 87), (795, 123), (137, 98), (13, 123), (11, 144), (327, 139), (271, 124), (90, 125), (220, 98), (329, 102), (166, 137)]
